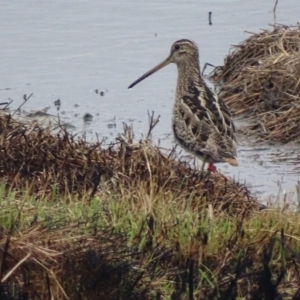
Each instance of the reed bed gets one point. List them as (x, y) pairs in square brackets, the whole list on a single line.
[(260, 81), (129, 221)]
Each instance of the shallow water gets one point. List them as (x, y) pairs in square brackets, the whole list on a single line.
[(69, 49)]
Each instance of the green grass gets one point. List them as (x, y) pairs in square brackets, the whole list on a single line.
[(137, 245)]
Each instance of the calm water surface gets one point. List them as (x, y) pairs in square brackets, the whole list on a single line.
[(68, 49)]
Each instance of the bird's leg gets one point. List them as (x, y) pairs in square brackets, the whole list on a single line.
[(204, 174), (203, 164), (211, 167)]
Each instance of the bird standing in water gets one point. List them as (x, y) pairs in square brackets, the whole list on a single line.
[(201, 122)]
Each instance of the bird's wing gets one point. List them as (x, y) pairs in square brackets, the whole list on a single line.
[(209, 109)]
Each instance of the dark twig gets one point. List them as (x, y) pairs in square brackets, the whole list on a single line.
[(274, 12), (25, 98), (152, 123)]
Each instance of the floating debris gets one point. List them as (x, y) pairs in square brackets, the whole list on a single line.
[(209, 18), (39, 113)]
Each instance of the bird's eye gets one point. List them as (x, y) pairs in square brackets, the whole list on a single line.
[(177, 47)]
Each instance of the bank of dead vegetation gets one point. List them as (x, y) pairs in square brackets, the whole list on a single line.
[(130, 221)]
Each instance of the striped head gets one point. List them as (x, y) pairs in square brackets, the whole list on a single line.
[(181, 51)]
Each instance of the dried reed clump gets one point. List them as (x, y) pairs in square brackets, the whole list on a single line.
[(32, 158), (260, 80)]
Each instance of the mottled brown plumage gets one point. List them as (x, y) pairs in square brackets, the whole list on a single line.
[(201, 122)]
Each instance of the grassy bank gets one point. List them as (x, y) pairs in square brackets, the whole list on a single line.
[(141, 246), (79, 221)]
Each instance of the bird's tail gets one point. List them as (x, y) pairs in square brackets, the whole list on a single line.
[(232, 161)]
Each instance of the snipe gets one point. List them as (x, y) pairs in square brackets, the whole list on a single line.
[(201, 122)]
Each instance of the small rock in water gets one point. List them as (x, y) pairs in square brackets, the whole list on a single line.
[(57, 103), (87, 117), (100, 93)]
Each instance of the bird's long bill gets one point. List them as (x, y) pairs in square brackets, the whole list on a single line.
[(155, 69)]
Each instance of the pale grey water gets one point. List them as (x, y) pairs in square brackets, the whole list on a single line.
[(68, 49)]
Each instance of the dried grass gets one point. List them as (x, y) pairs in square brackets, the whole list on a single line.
[(182, 253), (129, 222), (260, 80), (34, 159)]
